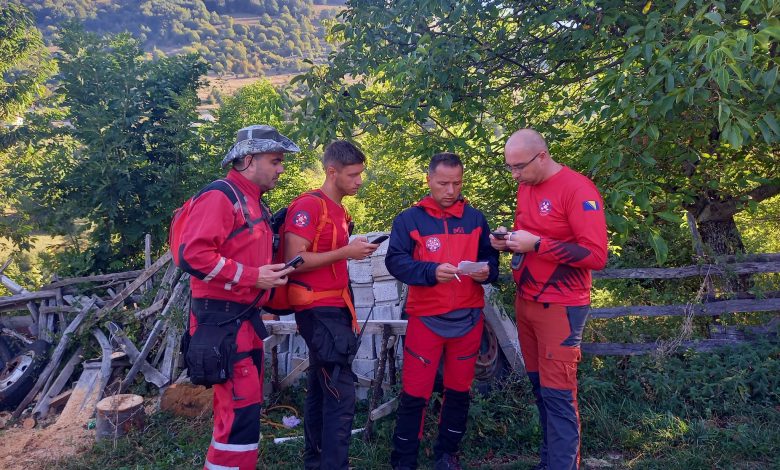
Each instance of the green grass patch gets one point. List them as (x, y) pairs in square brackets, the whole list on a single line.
[(687, 411)]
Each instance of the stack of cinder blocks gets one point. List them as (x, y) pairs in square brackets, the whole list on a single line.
[(378, 294)]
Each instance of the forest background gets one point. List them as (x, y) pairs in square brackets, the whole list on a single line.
[(670, 107)]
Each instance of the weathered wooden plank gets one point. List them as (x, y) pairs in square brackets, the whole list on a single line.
[(384, 409), (23, 298), (48, 397), (54, 362), (637, 349), (294, 374), (706, 309), (504, 329), (146, 274), (690, 271), (121, 276), (151, 374)]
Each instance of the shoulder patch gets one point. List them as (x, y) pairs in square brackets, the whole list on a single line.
[(301, 219), (590, 205)]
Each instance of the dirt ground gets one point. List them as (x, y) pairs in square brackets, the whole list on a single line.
[(26, 449)]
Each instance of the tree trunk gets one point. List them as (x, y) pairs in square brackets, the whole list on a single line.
[(722, 237)]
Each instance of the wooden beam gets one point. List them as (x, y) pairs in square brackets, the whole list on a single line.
[(706, 309), (294, 374), (121, 276), (637, 349), (690, 271), (384, 409)]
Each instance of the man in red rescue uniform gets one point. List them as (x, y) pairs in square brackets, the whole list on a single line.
[(559, 236), (319, 294), (229, 259), (444, 306)]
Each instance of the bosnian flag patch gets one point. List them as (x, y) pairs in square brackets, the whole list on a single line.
[(590, 205)]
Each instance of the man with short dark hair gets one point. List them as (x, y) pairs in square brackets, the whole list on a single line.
[(559, 236), (317, 227), (226, 248), (427, 243)]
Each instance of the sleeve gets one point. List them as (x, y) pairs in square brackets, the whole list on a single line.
[(400, 260), (303, 215), (588, 224), (487, 252), (211, 220)]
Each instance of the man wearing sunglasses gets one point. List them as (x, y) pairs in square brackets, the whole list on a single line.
[(559, 236)]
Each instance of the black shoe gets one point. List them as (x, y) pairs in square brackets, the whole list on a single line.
[(447, 462)]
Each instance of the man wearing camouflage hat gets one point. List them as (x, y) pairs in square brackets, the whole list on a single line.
[(226, 246)]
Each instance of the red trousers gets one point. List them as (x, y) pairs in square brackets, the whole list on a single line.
[(423, 349), (236, 433), (550, 336)]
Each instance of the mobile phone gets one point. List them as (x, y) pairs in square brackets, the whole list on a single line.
[(500, 235), (294, 263), (379, 239)]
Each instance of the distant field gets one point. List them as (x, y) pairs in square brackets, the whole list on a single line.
[(247, 20), (321, 8), (42, 242), (228, 86)]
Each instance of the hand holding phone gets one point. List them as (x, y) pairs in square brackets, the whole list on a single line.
[(294, 263), (379, 239), (500, 235)]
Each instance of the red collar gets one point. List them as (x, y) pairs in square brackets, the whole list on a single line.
[(250, 190), (435, 210)]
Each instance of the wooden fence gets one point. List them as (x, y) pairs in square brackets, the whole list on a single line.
[(711, 305)]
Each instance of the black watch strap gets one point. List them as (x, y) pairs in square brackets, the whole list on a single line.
[(538, 244)]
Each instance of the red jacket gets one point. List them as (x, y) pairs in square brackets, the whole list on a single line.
[(220, 252), (427, 235)]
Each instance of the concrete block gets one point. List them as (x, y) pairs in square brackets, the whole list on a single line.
[(360, 271), (385, 291), (364, 295), (366, 349), (365, 367), (362, 312), (387, 312), (361, 393), (378, 268)]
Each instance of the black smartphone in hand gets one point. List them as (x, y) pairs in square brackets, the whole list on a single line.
[(379, 239), (500, 235), (294, 263)]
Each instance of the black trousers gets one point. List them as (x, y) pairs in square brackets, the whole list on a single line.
[(330, 396)]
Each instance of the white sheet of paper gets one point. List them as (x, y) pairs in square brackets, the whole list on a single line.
[(468, 267)]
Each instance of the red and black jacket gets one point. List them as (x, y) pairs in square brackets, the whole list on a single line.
[(221, 251), (426, 235)]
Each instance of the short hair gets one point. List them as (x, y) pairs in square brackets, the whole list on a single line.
[(341, 153), (444, 158)]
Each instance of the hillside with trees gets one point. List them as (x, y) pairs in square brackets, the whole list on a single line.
[(242, 37)]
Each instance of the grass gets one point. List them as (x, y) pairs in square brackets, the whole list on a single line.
[(690, 411)]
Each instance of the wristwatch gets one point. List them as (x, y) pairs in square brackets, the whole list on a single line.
[(538, 244)]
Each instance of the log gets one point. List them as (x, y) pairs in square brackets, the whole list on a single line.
[(706, 309), (158, 327), (41, 409), (119, 414), (54, 362), (151, 374), (384, 409), (146, 274), (105, 361), (115, 277), (636, 349), (150, 310), (690, 271)]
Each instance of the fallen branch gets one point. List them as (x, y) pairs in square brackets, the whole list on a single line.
[(119, 337)]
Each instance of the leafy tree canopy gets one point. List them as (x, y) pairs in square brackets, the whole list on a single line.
[(669, 105)]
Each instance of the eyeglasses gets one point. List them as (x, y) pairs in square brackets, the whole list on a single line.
[(521, 166)]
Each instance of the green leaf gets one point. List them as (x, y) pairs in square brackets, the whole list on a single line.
[(672, 217), (659, 246), (769, 119), (714, 16), (680, 5)]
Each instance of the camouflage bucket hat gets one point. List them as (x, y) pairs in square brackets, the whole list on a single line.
[(258, 139)]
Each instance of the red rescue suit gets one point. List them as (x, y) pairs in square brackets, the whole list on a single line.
[(223, 253)]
